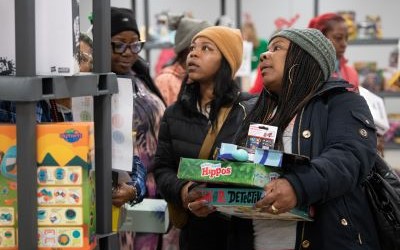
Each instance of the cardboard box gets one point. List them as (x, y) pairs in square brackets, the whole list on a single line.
[(56, 34), (266, 157), (149, 216), (66, 186), (239, 173), (240, 202)]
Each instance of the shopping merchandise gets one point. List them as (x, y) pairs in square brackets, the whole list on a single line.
[(378, 110), (239, 201), (149, 216), (56, 37), (66, 187), (239, 165)]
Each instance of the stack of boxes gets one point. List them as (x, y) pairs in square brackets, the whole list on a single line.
[(246, 180)]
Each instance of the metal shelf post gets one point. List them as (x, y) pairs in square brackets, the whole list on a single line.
[(26, 127), (25, 89)]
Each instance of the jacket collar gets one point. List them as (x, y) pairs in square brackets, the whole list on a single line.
[(332, 84)]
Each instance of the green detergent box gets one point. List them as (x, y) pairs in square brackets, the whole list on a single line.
[(240, 202), (228, 172)]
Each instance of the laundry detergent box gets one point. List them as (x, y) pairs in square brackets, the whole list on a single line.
[(229, 172), (239, 201), (66, 186), (56, 37), (148, 216)]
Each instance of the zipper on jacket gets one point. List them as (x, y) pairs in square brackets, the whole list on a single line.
[(299, 130), (244, 110), (298, 152), (302, 234)]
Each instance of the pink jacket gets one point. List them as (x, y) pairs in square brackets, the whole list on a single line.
[(169, 82)]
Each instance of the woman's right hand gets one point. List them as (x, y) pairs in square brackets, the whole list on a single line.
[(191, 200)]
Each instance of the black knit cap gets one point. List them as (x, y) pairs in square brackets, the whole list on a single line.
[(122, 20)]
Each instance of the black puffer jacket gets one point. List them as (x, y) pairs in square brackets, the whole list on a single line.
[(182, 136)]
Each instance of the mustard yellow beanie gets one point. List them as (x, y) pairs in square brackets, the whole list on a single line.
[(229, 41)]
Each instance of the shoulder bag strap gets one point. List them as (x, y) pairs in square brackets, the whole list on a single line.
[(212, 134)]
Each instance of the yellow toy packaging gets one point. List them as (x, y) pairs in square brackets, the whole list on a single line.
[(66, 187)]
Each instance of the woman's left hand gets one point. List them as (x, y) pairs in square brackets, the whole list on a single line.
[(122, 194), (198, 206), (279, 197)]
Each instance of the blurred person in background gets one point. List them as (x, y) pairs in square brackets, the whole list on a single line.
[(148, 108), (169, 80), (260, 45), (334, 27)]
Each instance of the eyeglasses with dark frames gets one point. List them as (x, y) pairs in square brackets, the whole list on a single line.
[(120, 47)]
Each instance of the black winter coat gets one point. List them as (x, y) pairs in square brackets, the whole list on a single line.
[(337, 132), (182, 136)]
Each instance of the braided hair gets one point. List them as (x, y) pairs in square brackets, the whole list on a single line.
[(302, 78)]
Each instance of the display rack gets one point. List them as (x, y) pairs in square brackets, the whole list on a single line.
[(383, 41), (26, 89), (162, 45)]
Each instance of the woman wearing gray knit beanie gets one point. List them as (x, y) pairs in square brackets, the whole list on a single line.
[(319, 118)]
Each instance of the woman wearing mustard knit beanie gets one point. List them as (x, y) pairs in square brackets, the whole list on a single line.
[(319, 118), (208, 93)]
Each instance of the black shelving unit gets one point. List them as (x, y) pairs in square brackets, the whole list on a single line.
[(384, 94), (392, 146), (375, 41), (26, 89)]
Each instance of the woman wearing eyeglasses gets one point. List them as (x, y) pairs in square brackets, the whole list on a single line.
[(148, 106)]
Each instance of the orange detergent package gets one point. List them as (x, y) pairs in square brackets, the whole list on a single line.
[(66, 187)]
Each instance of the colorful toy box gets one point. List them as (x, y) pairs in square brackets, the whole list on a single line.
[(229, 172), (149, 216), (240, 166), (66, 187), (240, 202)]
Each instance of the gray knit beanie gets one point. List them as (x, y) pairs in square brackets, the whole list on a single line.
[(187, 28), (315, 43)]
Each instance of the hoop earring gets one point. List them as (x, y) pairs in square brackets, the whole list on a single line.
[(290, 71)]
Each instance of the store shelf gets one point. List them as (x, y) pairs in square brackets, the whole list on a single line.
[(14, 88), (26, 89), (374, 41), (388, 94), (157, 45), (392, 146)]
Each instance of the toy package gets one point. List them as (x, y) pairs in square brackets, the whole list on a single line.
[(240, 202), (370, 76), (261, 136), (350, 19), (238, 165), (66, 187), (148, 216), (228, 172), (247, 170), (53, 19)]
